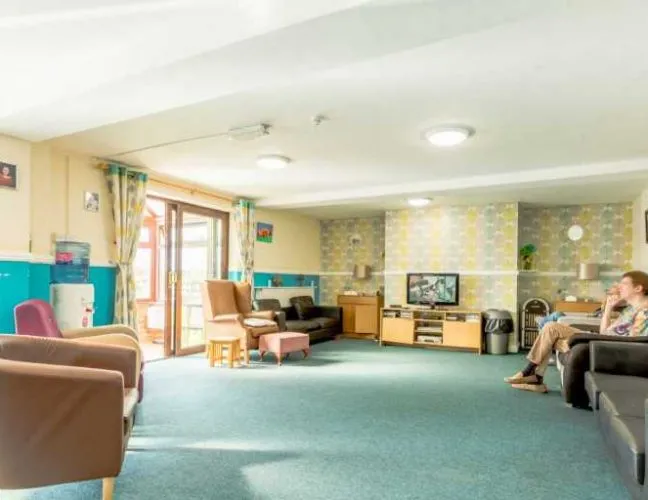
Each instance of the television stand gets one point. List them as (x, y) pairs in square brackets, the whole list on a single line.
[(432, 328)]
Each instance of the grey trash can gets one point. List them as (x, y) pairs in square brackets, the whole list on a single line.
[(498, 324)]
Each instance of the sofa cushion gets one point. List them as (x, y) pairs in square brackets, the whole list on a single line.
[(297, 325), (306, 312), (326, 322), (596, 383), (306, 300), (623, 403), (305, 307), (626, 438), (258, 322), (267, 305)]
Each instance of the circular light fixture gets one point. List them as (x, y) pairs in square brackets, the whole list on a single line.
[(418, 202), (272, 162), (445, 137)]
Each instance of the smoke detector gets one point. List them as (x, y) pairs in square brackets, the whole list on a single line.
[(317, 120)]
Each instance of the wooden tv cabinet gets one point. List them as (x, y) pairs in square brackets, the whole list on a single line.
[(435, 328)]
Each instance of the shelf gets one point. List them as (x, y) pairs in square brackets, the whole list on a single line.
[(284, 287), (460, 330)]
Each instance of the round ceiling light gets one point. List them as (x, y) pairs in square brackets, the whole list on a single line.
[(418, 202), (273, 162), (445, 137)]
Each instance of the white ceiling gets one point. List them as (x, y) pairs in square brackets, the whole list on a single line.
[(554, 89)]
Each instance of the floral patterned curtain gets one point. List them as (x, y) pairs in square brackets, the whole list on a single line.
[(244, 218), (128, 191)]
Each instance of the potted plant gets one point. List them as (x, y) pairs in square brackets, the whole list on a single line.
[(526, 253)]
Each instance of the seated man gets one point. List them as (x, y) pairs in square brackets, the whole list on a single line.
[(632, 291)]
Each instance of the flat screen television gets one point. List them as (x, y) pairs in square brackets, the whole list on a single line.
[(433, 288)]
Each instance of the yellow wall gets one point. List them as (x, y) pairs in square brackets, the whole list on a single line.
[(295, 247), (58, 186), (15, 204)]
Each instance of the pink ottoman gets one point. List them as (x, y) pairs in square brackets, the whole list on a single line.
[(283, 343)]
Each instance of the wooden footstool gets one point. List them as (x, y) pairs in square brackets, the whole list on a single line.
[(215, 350), (283, 343)]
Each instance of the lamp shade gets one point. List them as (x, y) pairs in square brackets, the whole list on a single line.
[(361, 272), (588, 271)]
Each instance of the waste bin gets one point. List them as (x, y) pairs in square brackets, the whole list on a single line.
[(498, 324)]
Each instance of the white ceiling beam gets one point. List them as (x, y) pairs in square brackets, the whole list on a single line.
[(538, 177)]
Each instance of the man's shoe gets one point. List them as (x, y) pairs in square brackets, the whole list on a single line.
[(539, 388), (519, 378)]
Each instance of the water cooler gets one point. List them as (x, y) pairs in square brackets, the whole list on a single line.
[(71, 296), (73, 304)]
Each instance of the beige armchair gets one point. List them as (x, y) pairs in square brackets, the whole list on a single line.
[(66, 411), (35, 317), (227, 310)]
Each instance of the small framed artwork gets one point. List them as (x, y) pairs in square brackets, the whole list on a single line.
[(8, 175), (264, 232), (91, 201), (646, 221)]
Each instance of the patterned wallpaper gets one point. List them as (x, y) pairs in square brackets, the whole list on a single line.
[(607, 237), (479, 242), (607, 240), (339, 254)]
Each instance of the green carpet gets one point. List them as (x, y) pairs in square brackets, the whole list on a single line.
[(355, 421)]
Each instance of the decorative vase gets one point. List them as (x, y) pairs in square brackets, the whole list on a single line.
[(527, 262)]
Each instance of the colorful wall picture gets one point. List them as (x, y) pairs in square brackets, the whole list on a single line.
[(8, 175), (264, 232), (91, 201)]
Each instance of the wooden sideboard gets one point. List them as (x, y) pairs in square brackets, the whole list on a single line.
[(360, 315), (460, 330), (578, 306)]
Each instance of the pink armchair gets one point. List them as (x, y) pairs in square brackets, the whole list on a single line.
[(227, 310), (66, 411), (35, 317)]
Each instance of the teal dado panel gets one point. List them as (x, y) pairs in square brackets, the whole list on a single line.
[(21, 281), (14, 288)]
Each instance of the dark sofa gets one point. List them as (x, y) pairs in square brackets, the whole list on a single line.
[(319, 322), (576, 362), (617, 384)]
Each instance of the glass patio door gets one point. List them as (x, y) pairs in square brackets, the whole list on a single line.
[(197, 250)]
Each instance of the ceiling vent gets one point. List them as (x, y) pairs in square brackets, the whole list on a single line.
[(248, 133)]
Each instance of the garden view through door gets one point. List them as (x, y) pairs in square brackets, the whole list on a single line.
[(180, 246), (201, 254)]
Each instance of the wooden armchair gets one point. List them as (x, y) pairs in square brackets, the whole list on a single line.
[(227, 310)]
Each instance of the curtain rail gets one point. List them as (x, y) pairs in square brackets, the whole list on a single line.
[(161, 181)]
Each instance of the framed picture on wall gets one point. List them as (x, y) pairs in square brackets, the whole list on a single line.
[(264, 232), (646, 224), (91, 201), (8, 175)]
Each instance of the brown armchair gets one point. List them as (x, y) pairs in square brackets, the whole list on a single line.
[(227, 309), (66, 411)]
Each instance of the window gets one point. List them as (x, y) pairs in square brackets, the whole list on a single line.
[(145, 265)]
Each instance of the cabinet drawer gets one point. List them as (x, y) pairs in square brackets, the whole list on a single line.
[(357, 300), (398, 330), (460, 334)]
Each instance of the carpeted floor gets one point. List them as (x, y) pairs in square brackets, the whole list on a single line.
[(355, 421)]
